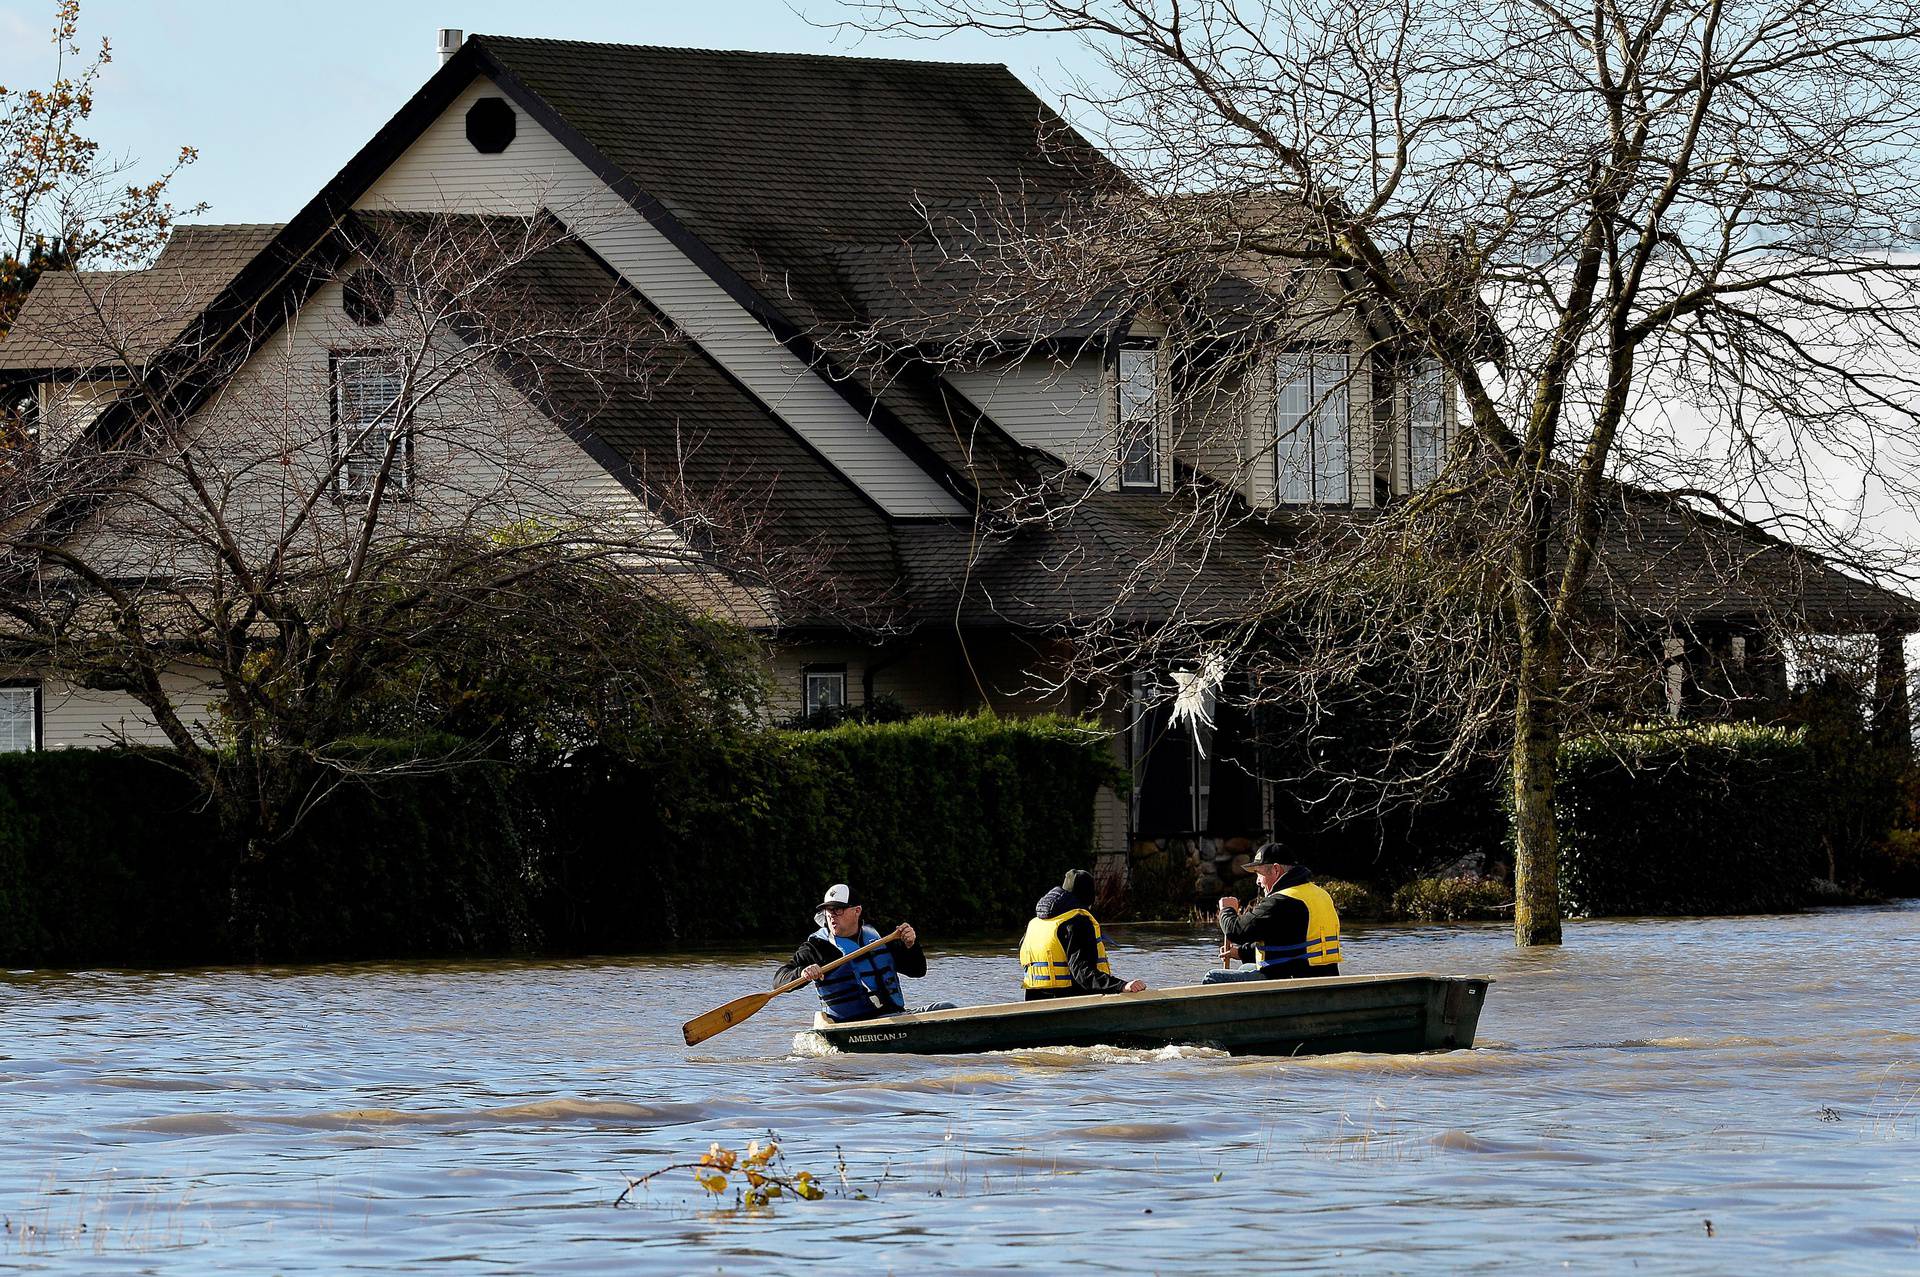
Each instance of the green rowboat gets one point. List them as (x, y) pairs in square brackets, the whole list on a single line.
[(1397, 1013)]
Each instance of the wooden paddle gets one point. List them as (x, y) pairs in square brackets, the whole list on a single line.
[(720, 1019)]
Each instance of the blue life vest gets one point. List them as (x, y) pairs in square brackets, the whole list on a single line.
[(863, 988)]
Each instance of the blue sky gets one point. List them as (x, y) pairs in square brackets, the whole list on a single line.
[(278, 95)]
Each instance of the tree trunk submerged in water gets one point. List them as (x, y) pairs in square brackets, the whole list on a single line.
[(1536, 860)]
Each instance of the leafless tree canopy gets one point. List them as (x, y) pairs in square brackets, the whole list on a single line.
[(1660, 253)]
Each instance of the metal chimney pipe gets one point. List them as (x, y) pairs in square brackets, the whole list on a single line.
[(451, 39)]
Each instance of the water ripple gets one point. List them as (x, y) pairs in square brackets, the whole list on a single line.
[(1761, 1075)]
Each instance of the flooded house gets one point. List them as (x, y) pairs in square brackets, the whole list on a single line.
[(964, 502)]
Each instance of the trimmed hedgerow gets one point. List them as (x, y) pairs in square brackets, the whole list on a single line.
[(1692, 819), (959, 823), (109, 857), (105, 857)]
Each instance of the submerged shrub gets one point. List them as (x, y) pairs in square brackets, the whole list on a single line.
[(1355, 901), (1895, 867), (1453, 900)]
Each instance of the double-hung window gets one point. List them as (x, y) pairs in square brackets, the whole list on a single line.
[(19, 718), (1312, 459), (826, 690), (367, 423), (1138, 416), (1426, 423)]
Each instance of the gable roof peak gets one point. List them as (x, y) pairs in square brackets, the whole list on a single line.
[(504, 43)]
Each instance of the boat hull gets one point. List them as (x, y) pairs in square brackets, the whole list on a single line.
[(1389, 1013)]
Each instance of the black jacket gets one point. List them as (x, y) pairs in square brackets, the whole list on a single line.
[(1083, 955), (908, 962), (1273, 919)]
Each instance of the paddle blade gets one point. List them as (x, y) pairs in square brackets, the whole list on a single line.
[(720, 1019)]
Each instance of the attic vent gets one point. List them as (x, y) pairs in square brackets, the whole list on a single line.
[(490, 125), (368, 298)]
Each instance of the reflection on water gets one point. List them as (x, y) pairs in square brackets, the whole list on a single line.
[(1701, 1096)]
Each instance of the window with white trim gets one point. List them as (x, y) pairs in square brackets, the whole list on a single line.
[(1312, 459), (825, 691), (1426, 423), (19, 718), (1138, 416), (366, 420)]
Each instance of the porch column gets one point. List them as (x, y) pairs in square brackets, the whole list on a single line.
[(1892, 712)]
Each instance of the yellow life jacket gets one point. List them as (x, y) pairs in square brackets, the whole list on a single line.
[(1321, 948), (1043, 957)]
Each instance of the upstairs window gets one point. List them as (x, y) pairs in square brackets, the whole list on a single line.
[(1426, 423), (366, 419), (1312, 460), (19, 718), (1138, 415)]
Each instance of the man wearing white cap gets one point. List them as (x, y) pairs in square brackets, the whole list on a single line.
[(867, 986)]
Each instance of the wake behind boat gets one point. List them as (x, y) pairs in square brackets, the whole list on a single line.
[(1398, 1013)]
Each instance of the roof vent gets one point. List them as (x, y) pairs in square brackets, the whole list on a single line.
[(450, 40)]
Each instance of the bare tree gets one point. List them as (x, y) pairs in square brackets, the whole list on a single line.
[(363, 507), (1641, 266)]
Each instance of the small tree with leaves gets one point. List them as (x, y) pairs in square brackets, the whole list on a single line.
[(63, 203)]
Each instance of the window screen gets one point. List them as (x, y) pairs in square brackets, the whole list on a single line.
[(366, 403), (1139, 417), (19, 719), (1426, 423)]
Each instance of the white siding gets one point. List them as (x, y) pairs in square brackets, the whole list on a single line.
[(1212, 424), (483, 459), (1061, 408), (442, 172), (76, 718), (67, 408)]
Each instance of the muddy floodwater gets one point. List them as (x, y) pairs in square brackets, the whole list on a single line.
[(1710, 1095)]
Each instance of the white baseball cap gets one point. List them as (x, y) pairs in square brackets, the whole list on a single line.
[(838, 894)]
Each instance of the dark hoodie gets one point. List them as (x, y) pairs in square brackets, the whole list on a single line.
[(1276, 920), (1083, 954)]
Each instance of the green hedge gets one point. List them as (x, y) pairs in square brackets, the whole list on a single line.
[(1696, 819), (955, 823), (108, 858), (104, 857)]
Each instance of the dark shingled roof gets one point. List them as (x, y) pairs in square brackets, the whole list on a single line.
[(695, 442), (1662, 557), (799, 182), (780, 164), (774, 160)]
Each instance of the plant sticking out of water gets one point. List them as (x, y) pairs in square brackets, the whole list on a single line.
[(1894, 1111), (757, 1174)]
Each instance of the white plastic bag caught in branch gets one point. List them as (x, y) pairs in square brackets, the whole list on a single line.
[(1196, 693)]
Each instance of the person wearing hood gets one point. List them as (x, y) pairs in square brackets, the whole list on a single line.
[(868, 986), (1063, 954), (1292, 930)]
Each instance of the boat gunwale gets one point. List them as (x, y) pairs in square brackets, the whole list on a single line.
[(1177, 993)]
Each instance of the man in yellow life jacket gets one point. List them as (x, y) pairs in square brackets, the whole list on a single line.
[(1292, 930), (1063, 954)]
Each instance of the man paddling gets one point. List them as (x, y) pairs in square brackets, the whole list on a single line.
[(868, 986), (1292, 930), (1063, 954)]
